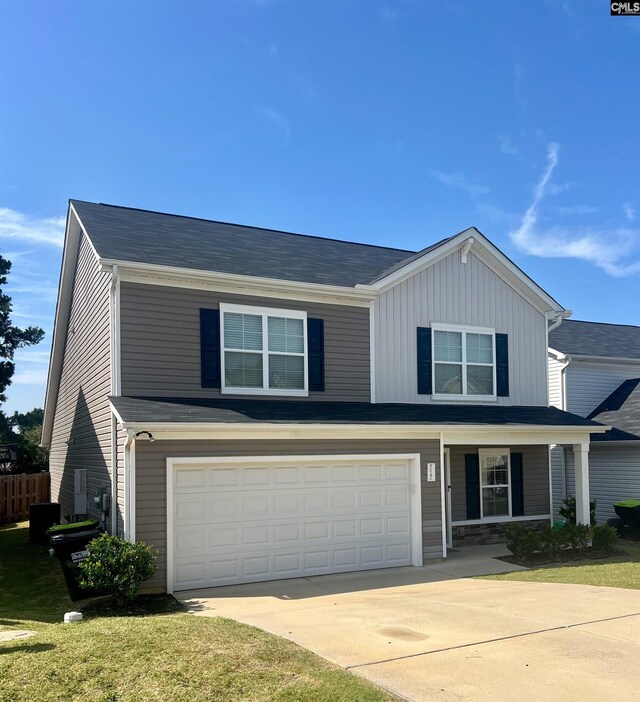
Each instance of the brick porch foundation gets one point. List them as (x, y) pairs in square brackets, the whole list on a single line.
[(480, 534)]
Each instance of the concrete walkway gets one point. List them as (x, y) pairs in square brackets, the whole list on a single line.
[(432, 633)]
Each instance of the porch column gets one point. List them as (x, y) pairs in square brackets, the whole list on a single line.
[(581, 461)]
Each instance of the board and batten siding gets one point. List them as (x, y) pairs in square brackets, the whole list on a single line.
[(614, 474), (151, 480), (160, 342), (81, 434), (588, 383), (471, 294), (535, 471)]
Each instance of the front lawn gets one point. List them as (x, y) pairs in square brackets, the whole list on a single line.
[(164, 657), (621, 570)]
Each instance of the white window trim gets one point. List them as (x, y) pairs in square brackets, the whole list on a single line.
[(265, 313), (464, 330), (495, 452)]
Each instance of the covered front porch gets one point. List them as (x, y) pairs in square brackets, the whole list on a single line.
[(496, 481)]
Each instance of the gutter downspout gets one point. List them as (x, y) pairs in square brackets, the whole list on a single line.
[(557, 321), (113, 292)]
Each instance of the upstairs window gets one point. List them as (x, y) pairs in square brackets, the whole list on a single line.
[(264, 350), (464, 362)]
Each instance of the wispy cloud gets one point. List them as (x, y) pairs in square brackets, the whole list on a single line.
[(278, 119), (507, 147), (18, 226), (460, 182), (629, 211), (608, 248), (575, 210), (31, 367)]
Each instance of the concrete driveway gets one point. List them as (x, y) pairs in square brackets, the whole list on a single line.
[(427, 633)]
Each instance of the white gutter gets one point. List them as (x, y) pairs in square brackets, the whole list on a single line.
[(557, 321), (130, 270)]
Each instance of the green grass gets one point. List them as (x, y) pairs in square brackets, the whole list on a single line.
[(165, 657), (622, 570)]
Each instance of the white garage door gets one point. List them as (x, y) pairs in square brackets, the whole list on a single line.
[(246, 520)]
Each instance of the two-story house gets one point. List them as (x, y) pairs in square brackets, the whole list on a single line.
[(594, 371), (264, 405)]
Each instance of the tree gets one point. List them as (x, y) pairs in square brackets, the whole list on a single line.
[(11, 338), (31, 457)]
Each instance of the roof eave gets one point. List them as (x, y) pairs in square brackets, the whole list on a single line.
[(160, 274), (63, 304)]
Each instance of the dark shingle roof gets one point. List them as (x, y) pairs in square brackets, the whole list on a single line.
[(596, 339), (621, 410), (141, 236), (179, 410)]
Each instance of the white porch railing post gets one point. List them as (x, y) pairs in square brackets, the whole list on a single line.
[(581, 461)]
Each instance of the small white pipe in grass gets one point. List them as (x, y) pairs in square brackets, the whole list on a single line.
[(72, 617)]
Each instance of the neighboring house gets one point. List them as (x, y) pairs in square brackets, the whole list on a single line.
[(594, 371), (265, 405)]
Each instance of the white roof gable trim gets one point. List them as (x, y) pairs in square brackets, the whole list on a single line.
[(473, 240)]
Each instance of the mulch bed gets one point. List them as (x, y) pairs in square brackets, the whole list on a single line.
[(141, 606), (568, 556)]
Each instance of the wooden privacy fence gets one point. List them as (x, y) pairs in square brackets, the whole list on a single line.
[(19, 492)]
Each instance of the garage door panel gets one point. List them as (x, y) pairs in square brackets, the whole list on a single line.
[(230, 568), (235, 523)]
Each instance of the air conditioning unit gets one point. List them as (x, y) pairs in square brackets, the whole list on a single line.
[(80, 491)]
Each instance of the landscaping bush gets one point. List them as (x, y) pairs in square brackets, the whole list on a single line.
[(578, 537), (553, 542), (523, 543), (568, 510), (116, 566), (604, 539)]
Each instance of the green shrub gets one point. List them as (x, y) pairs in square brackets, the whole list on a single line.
[(552, 543), (578, 537), (523, 543), (568, 510), (604, 539), (116, 566)]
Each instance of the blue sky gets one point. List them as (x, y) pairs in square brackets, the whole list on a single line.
[(395, 123)]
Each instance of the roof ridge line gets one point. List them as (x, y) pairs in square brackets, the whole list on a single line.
[(245, 226)]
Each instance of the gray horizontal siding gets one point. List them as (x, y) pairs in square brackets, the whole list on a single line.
[(535, 464), (471, 294), (151, 510), (559, 486), (82, 414), (614, 474), (160, 342), (588, 383)]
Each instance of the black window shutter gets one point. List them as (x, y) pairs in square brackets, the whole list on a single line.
[(517, 486), (210, 348), (472, 474), (315, 350), (502, 365), (424, 361)]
